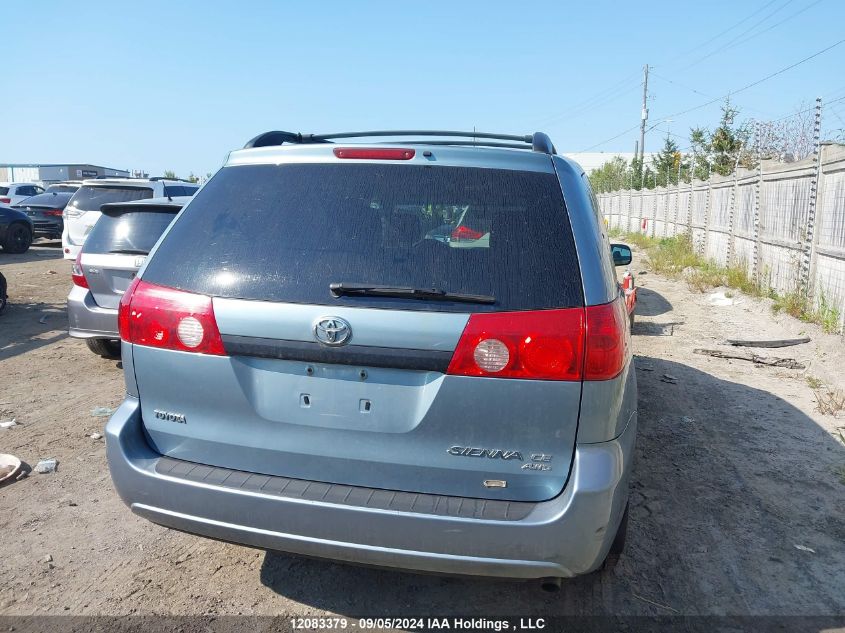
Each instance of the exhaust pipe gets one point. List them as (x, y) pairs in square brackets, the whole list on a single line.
[(550, 585)]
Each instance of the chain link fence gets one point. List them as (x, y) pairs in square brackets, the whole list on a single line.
[(783, 223)]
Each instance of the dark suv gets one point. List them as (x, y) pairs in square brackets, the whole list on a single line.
[(413, 354)]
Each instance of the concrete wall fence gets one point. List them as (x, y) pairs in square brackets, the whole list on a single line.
[(784, 223)]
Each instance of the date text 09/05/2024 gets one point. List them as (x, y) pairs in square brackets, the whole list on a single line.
[(421, 624)]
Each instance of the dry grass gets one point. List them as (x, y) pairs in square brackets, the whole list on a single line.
[(675, 257)]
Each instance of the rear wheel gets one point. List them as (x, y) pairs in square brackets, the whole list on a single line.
[(104, 347), (18, 238)]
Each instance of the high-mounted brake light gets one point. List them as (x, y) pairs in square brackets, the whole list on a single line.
[(374, 153), (157, 316), (568, 344), (77, 274)]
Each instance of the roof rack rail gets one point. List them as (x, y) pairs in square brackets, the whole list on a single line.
[(538, 142)]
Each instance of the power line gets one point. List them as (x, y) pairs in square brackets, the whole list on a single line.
[(731, 42), (729, 29), (776, 24), (733, 92), (755, 83), (601, 97)]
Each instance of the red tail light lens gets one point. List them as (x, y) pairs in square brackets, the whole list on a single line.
[(570, 344), (162, 317), (374, 153), (608, 341), (465, 233), (541, 345), (76, 272), (54, 212), (5, 201)]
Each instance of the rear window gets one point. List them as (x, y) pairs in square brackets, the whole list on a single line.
[(285, 232), (4, 191), (52, 200), (133, 232), (91, 198)]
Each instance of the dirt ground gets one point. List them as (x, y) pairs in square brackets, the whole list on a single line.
[(738, 494)]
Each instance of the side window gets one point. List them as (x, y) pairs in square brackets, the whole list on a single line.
[(189, 191), (26, 190), (173, 191), (38, 190)]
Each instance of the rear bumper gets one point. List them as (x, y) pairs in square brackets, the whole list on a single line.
[(566, 536), (88, 320)]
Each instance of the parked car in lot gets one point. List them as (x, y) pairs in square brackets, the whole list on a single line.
[(16, 230), (70, 186), (45, 210), (14, 192), (83, 210), (306, 372), (114, 251)]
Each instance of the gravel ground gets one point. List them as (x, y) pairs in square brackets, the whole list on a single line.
[(737, 496)]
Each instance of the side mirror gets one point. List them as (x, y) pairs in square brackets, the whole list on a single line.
[(622, 255)]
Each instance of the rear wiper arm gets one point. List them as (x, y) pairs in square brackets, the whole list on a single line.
[(370, 290), (129, 251)]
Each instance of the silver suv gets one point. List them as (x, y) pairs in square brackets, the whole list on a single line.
[(112, 254), (412, 354)]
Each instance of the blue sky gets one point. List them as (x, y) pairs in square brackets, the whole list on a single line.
[(176, 85)]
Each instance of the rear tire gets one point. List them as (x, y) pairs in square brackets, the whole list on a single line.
[(104, 347), (18, 238), (618, 545)]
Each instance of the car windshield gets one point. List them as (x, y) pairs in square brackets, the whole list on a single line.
[(266, 232), (92, 197)]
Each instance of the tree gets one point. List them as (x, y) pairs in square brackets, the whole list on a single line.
[(728, 141), (611, 176), (169, 173), (192, 178), (666, 163), (788, 139)]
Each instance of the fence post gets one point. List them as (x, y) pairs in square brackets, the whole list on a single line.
[(808, 264), (654, 213), (707, 214), (758, 193), (732, 221)]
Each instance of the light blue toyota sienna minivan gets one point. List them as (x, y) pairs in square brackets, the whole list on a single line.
[(403, 349)]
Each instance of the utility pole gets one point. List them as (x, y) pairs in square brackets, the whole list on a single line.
[(644, 116)]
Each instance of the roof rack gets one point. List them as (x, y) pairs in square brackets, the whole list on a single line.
[(538, 142), (157, 178)]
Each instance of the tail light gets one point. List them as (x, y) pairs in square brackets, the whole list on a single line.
[(157, 316), (5, 201), (571, 344), (77, 274), (608, 341), (375, 153), (53, 212), (461, 233), (544, 345)]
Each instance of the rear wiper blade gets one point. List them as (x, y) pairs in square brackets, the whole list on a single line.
[(370, 290), (129, 251)]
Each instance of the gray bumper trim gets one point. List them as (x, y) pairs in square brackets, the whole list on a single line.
[(372, 498)]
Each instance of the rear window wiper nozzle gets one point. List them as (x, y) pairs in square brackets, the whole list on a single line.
[(342, 288)]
